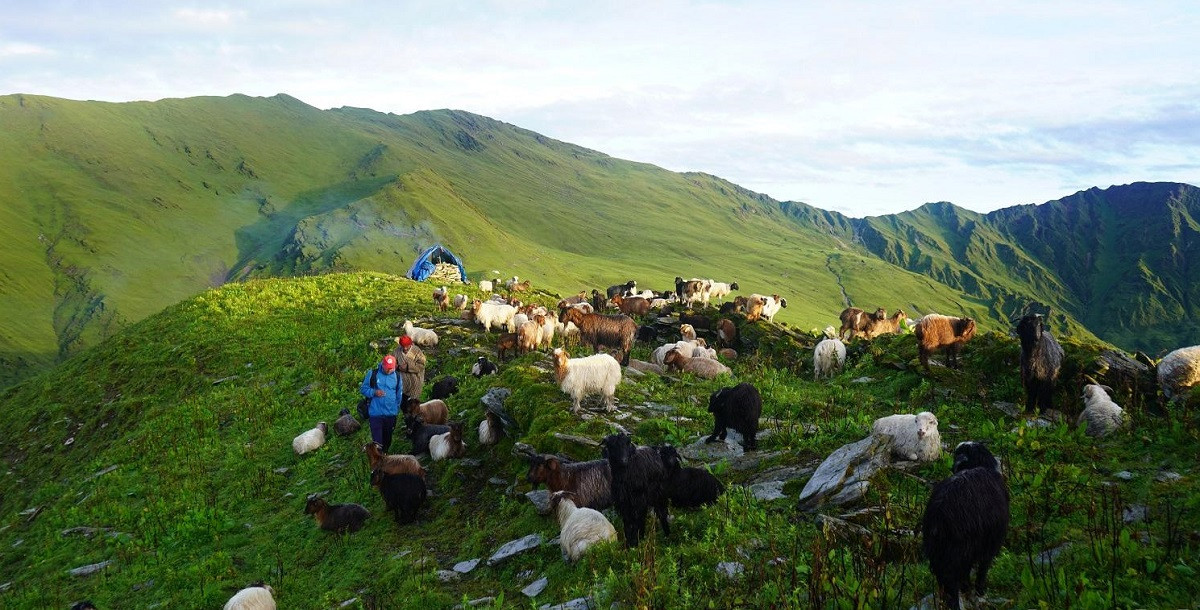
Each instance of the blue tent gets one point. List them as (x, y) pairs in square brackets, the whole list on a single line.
[(425, 264)]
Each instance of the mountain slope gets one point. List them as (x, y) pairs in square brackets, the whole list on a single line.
[(117, 210)]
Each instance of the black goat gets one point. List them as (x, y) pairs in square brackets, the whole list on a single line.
[(1041, 360), (647, 334), (638, 484), (402, 493), (688, 487), (420, 432), (965, 522), (737, 407), (444, 388)]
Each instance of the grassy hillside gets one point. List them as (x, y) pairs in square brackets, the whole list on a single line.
[(172, 440)]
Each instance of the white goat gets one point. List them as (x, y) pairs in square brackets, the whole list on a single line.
[(310, 440), (1103, 416), (581, 527), (256, 597), (578, 377), (421, 336)]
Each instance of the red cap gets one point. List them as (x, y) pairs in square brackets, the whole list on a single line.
[(389, 362), (405, 341)]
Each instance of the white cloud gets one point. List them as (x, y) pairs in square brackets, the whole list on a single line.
[(22, 49), (208, 17)]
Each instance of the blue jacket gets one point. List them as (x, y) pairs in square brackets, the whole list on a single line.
[(393, 389)]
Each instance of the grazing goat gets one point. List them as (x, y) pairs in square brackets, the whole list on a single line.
[(638, 484), (964, 524), (935, 331), (507, 343), (857, 321), (441, 298), (482, 367), (688, 487), (432, 412), (591, 482), (396, 463), (345, 425), (914, 437), (310, 440), (420, 433), (448, 445), (706, 368), (421, 336), (598, 330), (444, 388), (580, 527), (829, 356), (1178, 371), (1041, 360), (736, 407), (1103, 416), (254, 597), (340, 518), (578, 377), (403, 494)]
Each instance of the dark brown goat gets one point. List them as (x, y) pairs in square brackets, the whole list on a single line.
[(599, 330), (591, 482)]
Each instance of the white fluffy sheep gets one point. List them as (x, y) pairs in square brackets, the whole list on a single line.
[(914, 437), (1102, 415), (460, 301), (546, 330), (421, 336), (720, 290), (828, 358), (1178, 371), (581, 527), (255, 597), (310, 440), (706, 368), (597, 374), (491, 313), (486, 285)]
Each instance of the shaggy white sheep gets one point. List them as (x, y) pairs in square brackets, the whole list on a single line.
[(257, 597), (1102, 415), (310, 440), (460, 301), (491, 313), (578, 377), (486, 285), (828, 358), (421, 336), (581, 527), (914, 437), (1178, 371)]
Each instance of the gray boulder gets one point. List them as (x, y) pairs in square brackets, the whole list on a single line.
[(844, 476)]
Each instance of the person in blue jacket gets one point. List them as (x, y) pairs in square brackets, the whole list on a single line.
[(385, 400)]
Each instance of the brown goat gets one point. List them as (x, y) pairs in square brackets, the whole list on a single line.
[(935, 332), (885, 326), (754, 309), (339, 518), (857, 321), (441, 298), (726, 332), (396, 463), (599, 330), (590, 481), (520, 286), (432, 412), (632, 306), (527, 337), (507, 343)]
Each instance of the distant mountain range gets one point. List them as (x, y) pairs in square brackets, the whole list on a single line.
[(113, 211)]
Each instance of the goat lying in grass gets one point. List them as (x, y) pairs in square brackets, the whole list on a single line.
[(340, 518)]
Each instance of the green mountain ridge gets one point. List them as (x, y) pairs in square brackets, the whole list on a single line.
[(114, 211)]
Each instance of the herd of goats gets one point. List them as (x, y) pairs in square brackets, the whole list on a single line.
[(965, 520)]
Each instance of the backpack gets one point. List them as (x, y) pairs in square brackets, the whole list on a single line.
[(364, 405)]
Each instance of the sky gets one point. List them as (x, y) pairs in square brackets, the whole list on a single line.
[(861, 107)]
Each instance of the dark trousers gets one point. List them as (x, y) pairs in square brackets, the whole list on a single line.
[(381, 430)]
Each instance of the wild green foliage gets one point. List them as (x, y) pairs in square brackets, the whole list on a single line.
[(172, 439), (114, 211)]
